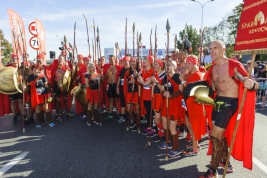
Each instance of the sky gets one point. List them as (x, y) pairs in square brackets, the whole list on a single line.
[(58, 18)]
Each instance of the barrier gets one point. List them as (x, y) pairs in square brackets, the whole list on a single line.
[(261, 92)]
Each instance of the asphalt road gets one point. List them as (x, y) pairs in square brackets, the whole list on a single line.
[(72, 149)]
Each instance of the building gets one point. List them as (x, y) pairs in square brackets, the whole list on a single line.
[(143, 52)]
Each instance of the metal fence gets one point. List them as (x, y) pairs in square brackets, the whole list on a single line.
[(261, 92)]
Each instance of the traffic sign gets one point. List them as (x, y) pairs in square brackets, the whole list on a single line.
[(32, 28), (34, 42)]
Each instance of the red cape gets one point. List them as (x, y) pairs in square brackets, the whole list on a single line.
[(53, 67), (242, 148)]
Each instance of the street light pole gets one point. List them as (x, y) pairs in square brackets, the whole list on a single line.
[(201, 28)]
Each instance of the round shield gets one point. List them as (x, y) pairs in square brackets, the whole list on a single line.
[(8, 80), (66, 81), (80, 94)]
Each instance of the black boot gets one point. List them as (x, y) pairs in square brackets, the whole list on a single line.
[(96, 117), (15, 119), (29, 121), (89, 117)]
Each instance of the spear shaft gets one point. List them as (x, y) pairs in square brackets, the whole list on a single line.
[(99, 48), (133, 37), (150, 51), (93, 48), (152, 90), (125, 50), (23, 75), (94, 42), (88, 42), (167, 99)]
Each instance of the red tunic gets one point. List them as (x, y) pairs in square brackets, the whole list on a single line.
[(157, 99), (146, 92), (131, 97), (35, 98), (175, 109), (195, 110), (92, 96)]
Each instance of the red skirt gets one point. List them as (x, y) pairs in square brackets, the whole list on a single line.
[(39, 99), (92, 96), (175, 109), (157, 102), (132, 97)]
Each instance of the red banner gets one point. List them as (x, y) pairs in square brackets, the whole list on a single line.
[(0, 54), (18, 34), (41, 38), (252, 28)]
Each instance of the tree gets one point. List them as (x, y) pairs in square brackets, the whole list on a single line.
[(192, 36), (225, 30), (233, 21), (6, 48)]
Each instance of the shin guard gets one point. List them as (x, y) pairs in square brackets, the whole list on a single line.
[(49, 117), (89, 116), (217, 152)]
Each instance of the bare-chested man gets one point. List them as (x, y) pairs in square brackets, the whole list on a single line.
[(111, 72), (225, 77)]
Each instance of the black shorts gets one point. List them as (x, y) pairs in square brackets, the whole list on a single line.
[(122, 97), (16, 96), (261, 92), (112, 93), (223, 110)]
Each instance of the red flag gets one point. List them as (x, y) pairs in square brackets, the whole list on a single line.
[(0, 55), (41, 38), (252, 28), (18, 34)]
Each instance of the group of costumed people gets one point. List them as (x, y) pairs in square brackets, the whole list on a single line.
[(154, 89)]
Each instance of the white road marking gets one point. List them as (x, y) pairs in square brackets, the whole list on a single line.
[(259, 164), (11, 163)]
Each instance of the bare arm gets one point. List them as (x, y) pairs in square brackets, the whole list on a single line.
[(248, 83), (86, 82)]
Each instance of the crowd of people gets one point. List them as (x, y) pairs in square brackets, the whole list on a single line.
[(151, 90)]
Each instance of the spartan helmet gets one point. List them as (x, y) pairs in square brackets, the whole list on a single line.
[(201, 94)]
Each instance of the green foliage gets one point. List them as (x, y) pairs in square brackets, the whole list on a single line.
[(225, 30), (6, 49), (263, 57), (233, 20), (192, 36)]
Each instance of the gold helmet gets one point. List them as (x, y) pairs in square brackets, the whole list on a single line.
[(201, 94)]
